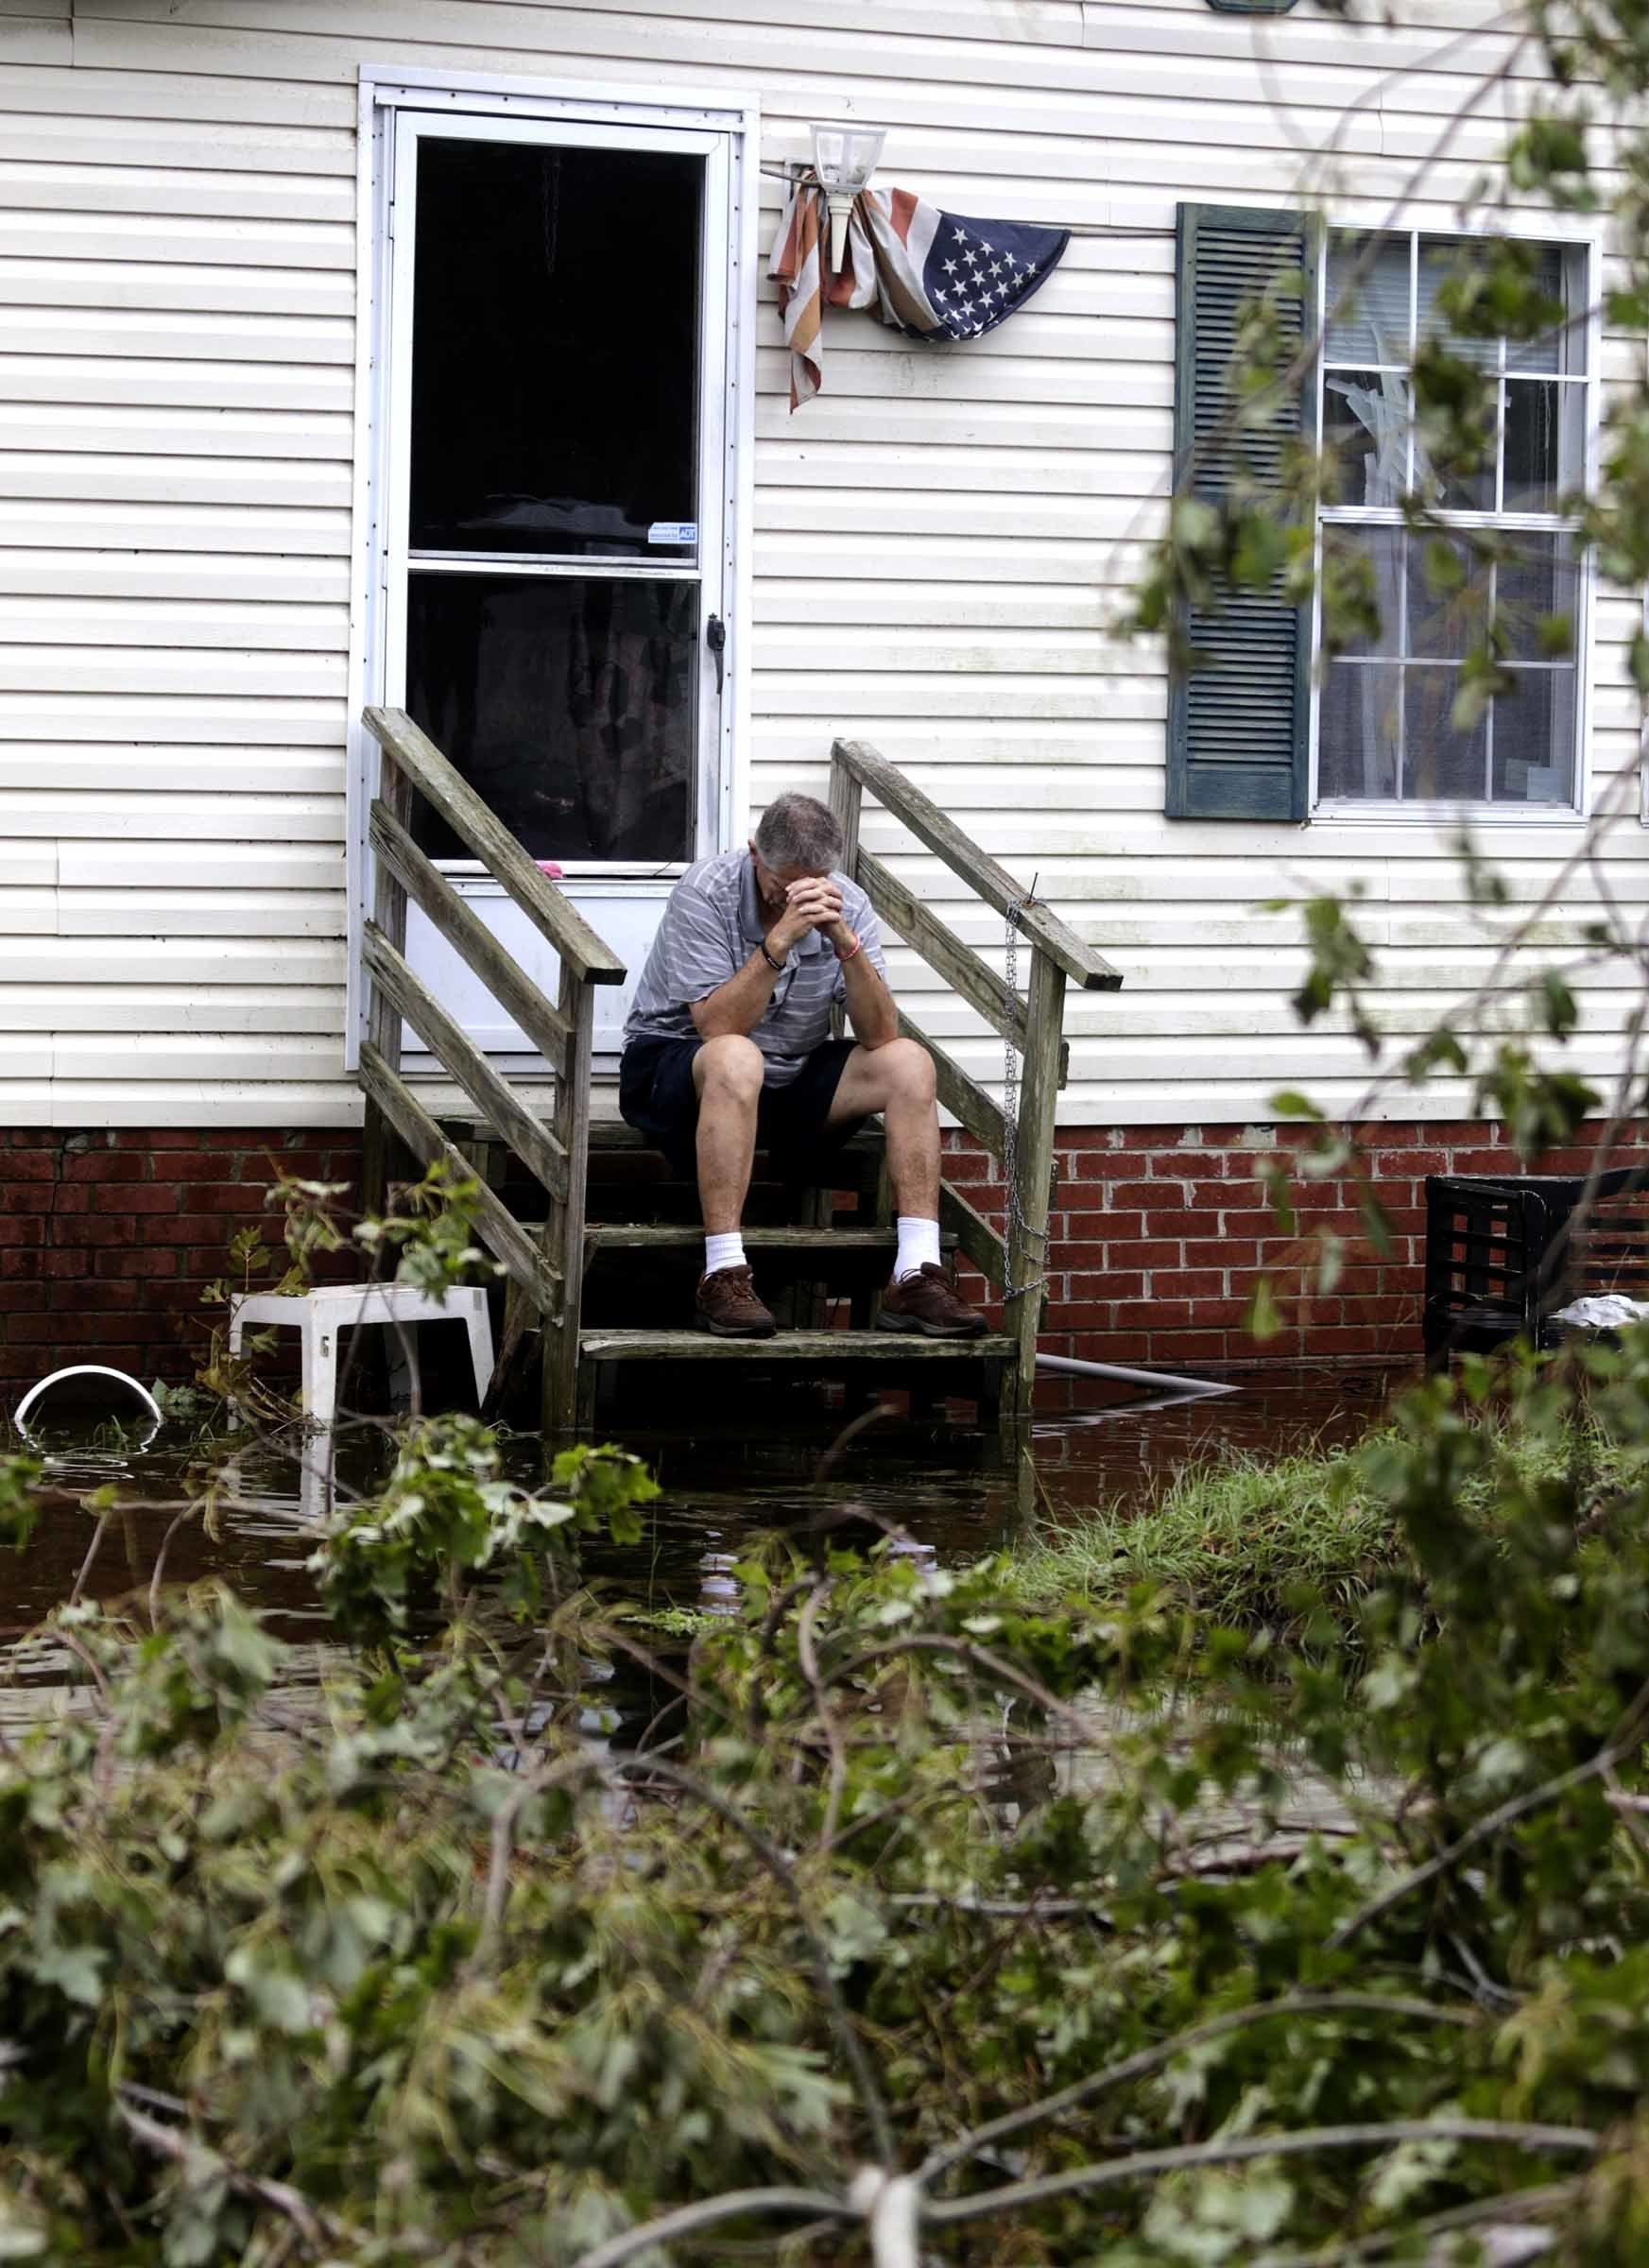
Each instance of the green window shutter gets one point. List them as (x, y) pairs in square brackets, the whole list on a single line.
[(1239, 722)]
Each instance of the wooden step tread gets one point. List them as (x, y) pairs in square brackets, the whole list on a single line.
[(788, 1346), (651, 1236)]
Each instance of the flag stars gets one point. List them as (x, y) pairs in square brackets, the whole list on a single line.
[(1030, 267), (958, 236), (986, 249), (996, 268), (1012, 261), (950, 267)]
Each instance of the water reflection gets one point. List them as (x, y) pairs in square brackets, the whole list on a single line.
[(944, 1492)]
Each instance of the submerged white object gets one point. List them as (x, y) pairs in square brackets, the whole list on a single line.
[(122, 1378), (1603, 1311), (320, 1314)]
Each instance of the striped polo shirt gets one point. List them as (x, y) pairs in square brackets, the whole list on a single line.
[(712, 925)]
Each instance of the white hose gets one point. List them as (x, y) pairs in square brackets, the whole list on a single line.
[(1068, 1366), (83, 1370)]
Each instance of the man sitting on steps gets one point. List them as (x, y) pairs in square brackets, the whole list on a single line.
[(729, 1039)]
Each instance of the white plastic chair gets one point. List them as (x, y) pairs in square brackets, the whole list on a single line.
[(321, 1315)]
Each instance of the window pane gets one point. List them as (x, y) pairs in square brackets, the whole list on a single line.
[(1382, 548), (1441, 763), (1365, 423), (1367, 300), (555, 348), (568, 705), (1447, 598), (1560, 273), (1439, 257), (1536, 584), (1359, 727), (1545, 443), (1463, 485), (1533, 738)]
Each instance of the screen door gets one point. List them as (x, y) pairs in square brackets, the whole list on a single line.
[(556, 475)]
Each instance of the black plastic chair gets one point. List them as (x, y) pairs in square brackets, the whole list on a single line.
[(1503, 1253)]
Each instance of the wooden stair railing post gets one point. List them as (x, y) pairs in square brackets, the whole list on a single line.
[(1027, 1222), (564, 1226), (383, 1017), (549, 1273)]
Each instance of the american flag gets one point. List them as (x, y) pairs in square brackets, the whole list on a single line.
[(933, 275)]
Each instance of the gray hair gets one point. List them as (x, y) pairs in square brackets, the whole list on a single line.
[(799, 831)]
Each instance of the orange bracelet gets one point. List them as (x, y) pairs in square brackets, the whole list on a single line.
[(858, 947)]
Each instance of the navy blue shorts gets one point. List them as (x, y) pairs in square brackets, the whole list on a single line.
[(656, 1095)]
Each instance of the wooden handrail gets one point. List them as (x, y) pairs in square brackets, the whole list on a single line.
[(538, 1276), (962, 969), (452, 797), (974, 866), (503, 1110), (469, 936)]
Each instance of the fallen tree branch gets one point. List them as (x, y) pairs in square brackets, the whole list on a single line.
[(807, 1654), (313, 2224), (1142, 2164), (1621, 1744), (1147, 2060), (1521, 2203), (687, 2220), (773, 1859), (976, 1656)]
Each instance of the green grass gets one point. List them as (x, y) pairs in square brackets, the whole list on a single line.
[(1246, 1537), (1238, 1538)]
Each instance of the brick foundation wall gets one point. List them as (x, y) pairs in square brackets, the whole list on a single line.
[(107, 1239), (1159, 1236), (1161, 1233)]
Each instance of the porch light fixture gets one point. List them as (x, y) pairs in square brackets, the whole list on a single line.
[(843, 157)]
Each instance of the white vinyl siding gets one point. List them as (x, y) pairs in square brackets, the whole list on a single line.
[(941, 539)]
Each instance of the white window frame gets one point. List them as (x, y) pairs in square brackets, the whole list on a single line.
[(443, 101), (1533, 229)]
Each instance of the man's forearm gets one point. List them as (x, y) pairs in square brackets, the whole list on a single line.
[(739, 1004), (870, 1004)]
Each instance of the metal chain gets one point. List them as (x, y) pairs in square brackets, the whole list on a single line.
[(1018, 1230)]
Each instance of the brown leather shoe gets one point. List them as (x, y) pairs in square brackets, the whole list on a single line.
[(925, 1302), (727, 1304)]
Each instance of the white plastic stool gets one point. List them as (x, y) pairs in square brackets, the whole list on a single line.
[(322, 1314)]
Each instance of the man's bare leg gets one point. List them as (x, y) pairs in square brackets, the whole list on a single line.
[(728, 1074), (898, 1080)]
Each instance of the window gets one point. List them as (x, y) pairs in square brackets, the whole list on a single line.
[(1386, 727), (561, 553)]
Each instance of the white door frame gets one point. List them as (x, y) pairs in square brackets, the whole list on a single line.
[(723, 128)]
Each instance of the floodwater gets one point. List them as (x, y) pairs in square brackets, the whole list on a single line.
[(950, 1490)]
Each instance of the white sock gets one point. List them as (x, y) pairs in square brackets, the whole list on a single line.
[(723, 1252), (918, 1244)]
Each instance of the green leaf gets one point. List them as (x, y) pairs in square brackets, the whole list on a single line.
[(77, 1970)]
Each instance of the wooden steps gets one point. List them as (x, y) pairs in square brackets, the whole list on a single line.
[(542, 1169), (820, 1347), (977, 1366)]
